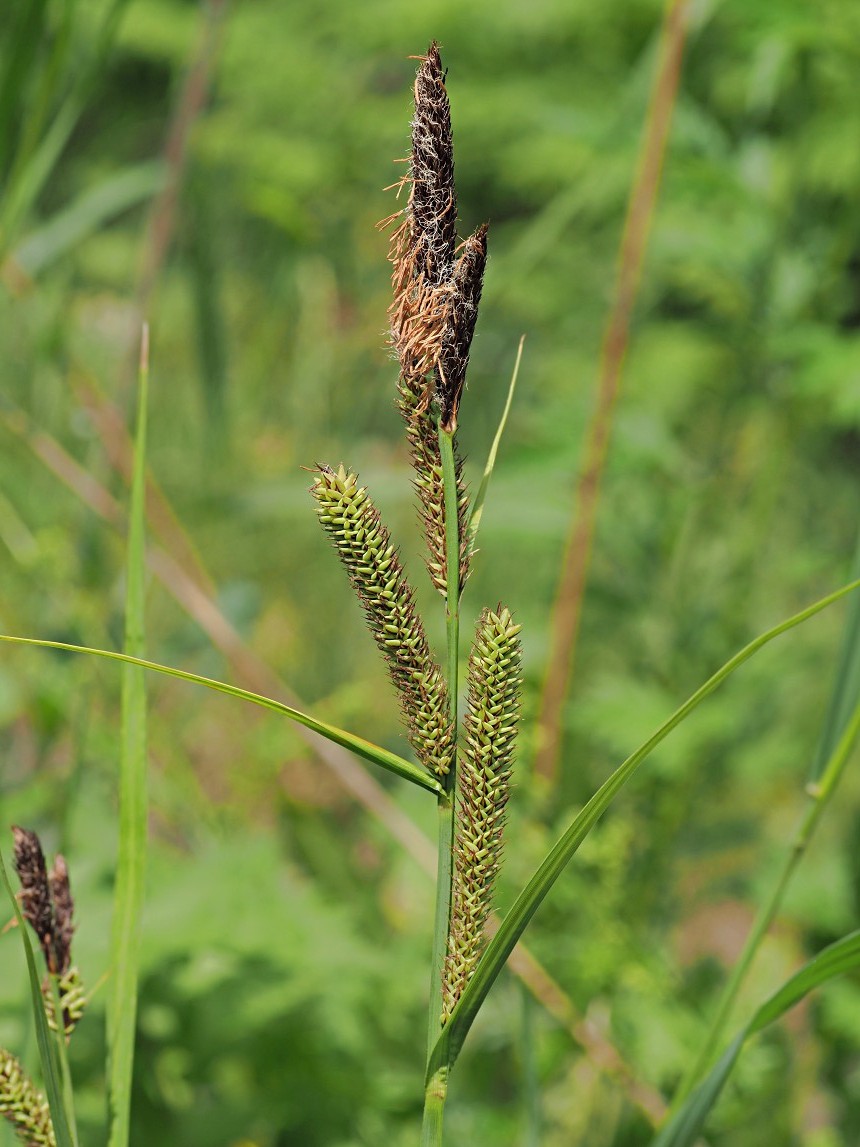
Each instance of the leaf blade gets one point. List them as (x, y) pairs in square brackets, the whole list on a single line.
[(838, 958), (133, 800), (524, 907), (362, 748), (480, 497)]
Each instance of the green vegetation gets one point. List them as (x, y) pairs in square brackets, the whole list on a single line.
[(218, 172)]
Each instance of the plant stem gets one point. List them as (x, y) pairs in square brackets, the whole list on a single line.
[(437, 1086), (819, 795), (531, 1083), (63, 1060), (434, 1109), (445, 837), (452, 573)]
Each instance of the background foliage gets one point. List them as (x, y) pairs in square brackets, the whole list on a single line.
[(281, 916)]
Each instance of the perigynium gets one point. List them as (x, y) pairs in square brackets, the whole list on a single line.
[(483, 787), (375, 572), (22, 1105)]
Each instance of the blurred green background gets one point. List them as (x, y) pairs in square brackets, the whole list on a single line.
[(220, 171)]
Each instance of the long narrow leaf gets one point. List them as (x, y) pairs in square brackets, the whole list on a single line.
[(832, 961), (133, 801), (838, 958), (87, 214), (30, 174), (500, 947), (47, 1054), (684, 1128), (846, 687), (358, 745), (480, 497)]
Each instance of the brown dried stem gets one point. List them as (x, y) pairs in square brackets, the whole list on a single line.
[(577, 554)]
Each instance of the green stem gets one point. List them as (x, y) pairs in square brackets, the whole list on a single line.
[(531, 1085), (437, 1088), (452, 572), (445, 837), (434, 1109), (819, 795), (63, 1060)]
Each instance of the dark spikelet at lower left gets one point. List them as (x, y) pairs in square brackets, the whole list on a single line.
[(35, 896), (375, 572)]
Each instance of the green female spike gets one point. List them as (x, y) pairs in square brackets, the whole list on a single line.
[(373, 566)]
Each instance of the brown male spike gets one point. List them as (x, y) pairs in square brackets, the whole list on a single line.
[(64, 928), (47, 906), (35, 896), (434, 307), (422, 247), (466, 284)]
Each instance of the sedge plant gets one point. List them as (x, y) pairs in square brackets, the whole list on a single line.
[(464, 761)]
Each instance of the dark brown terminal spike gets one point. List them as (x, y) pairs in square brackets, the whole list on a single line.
[(466, 285), (433, 198), (64, 906), (35, 894), (434, 308), (422, 248)]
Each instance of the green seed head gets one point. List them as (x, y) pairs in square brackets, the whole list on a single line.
[(483, 785), (22, 1105), (373, 566)]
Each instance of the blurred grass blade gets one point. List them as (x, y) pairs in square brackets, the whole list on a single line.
[(47, 1052), (846, 688), (34, 163), (819, 796), (210, 321), (25, 28), (366, 749), (480, 497), (131, 861), (530, 1075), (87, 214), (686, 1125), (529, 900), (834, 960)]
